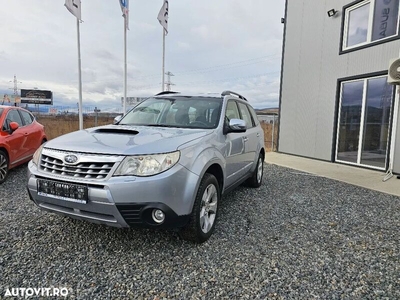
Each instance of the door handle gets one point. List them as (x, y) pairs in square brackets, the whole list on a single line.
[(245, 139), (258, 134)]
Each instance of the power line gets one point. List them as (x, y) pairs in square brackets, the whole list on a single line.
[(230, 65), (231, 79), (237, 64), (145, 87)]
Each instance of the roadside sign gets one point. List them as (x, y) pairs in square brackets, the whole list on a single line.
[(37, 97)]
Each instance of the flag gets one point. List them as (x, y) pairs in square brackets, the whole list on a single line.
[(163, 16), (74, 7), (125, 11)]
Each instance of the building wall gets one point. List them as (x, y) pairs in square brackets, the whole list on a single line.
[(311, 67)]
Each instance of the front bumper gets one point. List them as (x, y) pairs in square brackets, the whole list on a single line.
[(126, 201)]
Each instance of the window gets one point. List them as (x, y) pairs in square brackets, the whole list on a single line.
[(13, 116), (246, 115), (364, 122), (27, 117), (254, 115), (370, 22), (232, 111)]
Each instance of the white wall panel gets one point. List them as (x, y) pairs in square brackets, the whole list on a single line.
[(312, 66)]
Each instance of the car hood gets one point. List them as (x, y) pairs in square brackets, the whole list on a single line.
[(126, 140)]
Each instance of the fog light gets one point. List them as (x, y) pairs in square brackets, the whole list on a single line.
[(158, 216)]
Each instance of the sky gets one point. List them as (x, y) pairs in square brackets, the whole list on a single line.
[(211, 46)]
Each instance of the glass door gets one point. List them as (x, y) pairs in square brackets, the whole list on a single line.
[(364, 122)]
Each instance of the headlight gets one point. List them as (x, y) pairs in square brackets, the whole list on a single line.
[(147, 165), (36, 156)]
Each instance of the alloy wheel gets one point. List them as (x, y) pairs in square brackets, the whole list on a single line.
[(208, 208), (3, 167), (259, 169)]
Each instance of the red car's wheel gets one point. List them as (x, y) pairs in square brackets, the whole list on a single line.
[(3, 166)]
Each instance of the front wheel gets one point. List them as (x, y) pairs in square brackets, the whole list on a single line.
[(204, 214), (3, 166), (256, 178)]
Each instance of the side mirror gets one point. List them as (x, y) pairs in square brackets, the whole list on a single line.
[(117, 119), (236, 125), (13, 126)]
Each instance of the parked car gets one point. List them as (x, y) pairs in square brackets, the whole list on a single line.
[(20, 136), (165, 164)]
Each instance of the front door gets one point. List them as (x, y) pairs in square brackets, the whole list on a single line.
[(364, 122), (234, 147)]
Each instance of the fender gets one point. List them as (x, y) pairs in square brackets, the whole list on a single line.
[(199, 159)]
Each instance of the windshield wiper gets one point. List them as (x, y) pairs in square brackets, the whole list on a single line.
[(159, 125), (150, 125)]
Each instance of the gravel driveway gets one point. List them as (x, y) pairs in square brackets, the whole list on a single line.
[(298, 236)]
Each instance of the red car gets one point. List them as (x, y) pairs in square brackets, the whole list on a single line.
[(20, 136)]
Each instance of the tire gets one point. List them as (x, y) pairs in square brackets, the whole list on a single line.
[(205, 211), (255, 180), (3, 166)]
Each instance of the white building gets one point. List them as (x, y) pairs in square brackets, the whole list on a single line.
[(335, 102)]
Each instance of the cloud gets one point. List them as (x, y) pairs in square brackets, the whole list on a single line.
[(207, 47)]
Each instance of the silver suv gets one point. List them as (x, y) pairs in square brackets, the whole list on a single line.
[(165, 164)]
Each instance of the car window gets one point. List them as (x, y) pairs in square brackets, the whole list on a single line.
[(254, 115), (246, 115), (27, 117), (12, 116), (232, 111), (1, 112)]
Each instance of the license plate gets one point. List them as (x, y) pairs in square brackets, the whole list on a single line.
[(63, 191)]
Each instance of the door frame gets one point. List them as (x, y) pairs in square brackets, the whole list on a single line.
[(335, 137)]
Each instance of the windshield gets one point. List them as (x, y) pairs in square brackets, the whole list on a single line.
[(178, 111)]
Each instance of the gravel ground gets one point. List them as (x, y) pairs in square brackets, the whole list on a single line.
[(297, 237)]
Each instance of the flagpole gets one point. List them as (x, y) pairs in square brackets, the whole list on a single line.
[(80, 78), (163, 61), (125, 65)]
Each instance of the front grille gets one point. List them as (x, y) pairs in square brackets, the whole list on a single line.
[(87, 170)]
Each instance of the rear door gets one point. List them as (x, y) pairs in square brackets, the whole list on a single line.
[(251, 136), (32, 132)]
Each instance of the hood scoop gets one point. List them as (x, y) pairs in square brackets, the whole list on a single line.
[(117, 131)]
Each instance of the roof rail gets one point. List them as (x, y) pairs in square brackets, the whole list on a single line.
[(225, 93), (166, 93)]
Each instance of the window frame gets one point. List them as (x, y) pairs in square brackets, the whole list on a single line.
[(340, 83), (369, 43)]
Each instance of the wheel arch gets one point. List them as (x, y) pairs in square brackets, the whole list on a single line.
[(6, 152), (216, 170), (262, 151)]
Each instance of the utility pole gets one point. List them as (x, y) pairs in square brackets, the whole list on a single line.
[(169, 83), (96, 112), (15, 88)]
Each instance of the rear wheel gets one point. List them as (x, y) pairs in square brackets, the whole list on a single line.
[(3, 166), (204, 214), (256, 179)]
